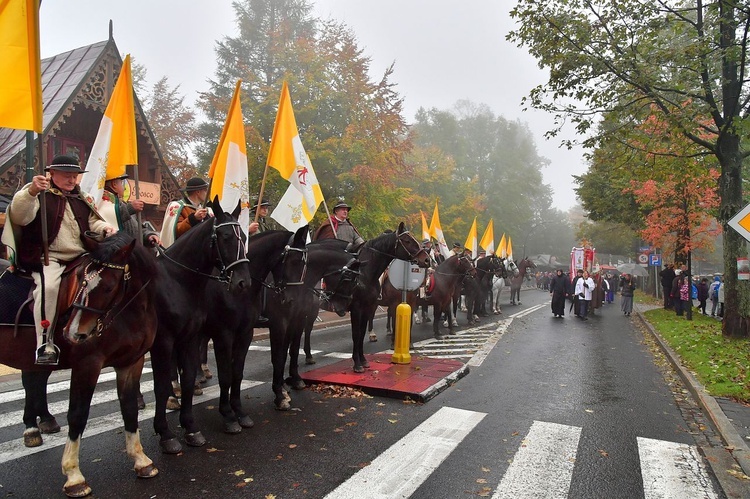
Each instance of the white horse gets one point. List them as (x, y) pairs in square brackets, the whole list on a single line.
[(499, 283)]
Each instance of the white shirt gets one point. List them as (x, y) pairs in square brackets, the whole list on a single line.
[(580, 288)]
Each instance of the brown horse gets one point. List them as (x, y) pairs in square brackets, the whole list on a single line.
[(517, 280), (107, 319), (447, 276)]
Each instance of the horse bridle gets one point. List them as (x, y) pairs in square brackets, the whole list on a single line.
[(399, 242), (347, 276), (282, 285), (225, 276), (101, 313)]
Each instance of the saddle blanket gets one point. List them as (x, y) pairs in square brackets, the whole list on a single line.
[(14, 291)]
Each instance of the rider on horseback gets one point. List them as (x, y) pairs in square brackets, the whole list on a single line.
[(186, 213), (339, 226), (69, 216), (264, 222)]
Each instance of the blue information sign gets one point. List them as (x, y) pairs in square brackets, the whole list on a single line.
[(654, 260)]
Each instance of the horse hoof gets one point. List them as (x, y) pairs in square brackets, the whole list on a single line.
[(310, 361), (439, 337), (77, 490), (32, 437), (232, 428), (149, 471), (49, 426), (195, 439), (170, 446), (359, 369), (141, 403), (452, 333), (299, 385), (282, 405), (246, 421), (173, 404)]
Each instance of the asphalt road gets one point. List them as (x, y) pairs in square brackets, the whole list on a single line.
[(556, 408)]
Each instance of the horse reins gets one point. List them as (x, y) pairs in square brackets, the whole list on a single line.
[(224, 276), (103, 314), (347, 276)]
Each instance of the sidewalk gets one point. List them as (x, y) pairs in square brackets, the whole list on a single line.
[(731, 419)]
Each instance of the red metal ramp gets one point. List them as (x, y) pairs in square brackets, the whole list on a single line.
[(420, 380)]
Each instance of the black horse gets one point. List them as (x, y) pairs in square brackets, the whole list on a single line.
[(289, 313), (375, 254), (447, 276), (230, 321), (517, 280), (107, 318), (211, 251)]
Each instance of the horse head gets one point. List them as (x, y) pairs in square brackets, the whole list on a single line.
[(409, 249), (511, 266), (466, 266), (291, 266), (227, 247), (340, 286), (99, 289)]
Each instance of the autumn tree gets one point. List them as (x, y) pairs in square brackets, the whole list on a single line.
[(496, 158), (685, 58), (352, 127)]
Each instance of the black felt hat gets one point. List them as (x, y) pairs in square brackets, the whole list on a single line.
[(65, 164), (195, 184), (264, 202), (341, 204), (458, 245)]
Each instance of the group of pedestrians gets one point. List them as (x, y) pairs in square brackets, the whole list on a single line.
[(680, 290), (587, 293)]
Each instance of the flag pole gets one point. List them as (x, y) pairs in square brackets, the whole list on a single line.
[(138, 196), (260, 194), (328, 214), (43, 204)]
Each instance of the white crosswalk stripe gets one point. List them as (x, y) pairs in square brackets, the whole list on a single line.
[(401, 469), (14, 449), (672, 470)]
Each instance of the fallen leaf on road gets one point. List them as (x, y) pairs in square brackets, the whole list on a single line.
[(248, 479), (292, 446), (311, 435), (270, 496), (486, 470), (239, 472), (96, 460), (588, 410), (481, 480), (604, 453), (738, 474), (369, 435), (515, 433), (393, 421), (212, 449)]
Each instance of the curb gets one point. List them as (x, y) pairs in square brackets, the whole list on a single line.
[(735, 444)]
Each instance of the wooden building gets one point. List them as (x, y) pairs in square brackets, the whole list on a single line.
[(76, 87)]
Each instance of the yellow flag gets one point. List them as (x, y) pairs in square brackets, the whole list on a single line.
[(20, 65), (437, 232), (471, 239), (425, 227), (116, 143), (287, 155), (509, 248), (228, 172), (488, 239), (502, 248)]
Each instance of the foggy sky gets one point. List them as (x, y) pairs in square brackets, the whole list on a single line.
[(443, 51)]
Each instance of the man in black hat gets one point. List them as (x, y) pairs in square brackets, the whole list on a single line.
[(458, 249), (339, 221), (264, 222), (186, 213), (65, 236)]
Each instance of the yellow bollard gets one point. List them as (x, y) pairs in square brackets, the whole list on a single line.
[(401, 353)]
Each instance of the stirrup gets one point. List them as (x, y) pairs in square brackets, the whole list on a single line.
[(47, 355)]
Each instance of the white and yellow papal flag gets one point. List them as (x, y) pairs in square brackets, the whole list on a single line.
[(20, 65), (488, 239), (116, 144), (437, 232), (228, 172), (286, 154), (471, 240), (425, 227), (502, 248), (509, 249)]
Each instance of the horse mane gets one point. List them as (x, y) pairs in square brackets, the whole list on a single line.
[(141, 258), (382, 243)]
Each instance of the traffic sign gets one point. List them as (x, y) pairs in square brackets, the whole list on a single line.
[(654, 260), (643, 258), (405, 276), (741, 222)]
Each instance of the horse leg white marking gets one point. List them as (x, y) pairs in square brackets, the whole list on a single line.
[(135, 450), (70, 463)]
